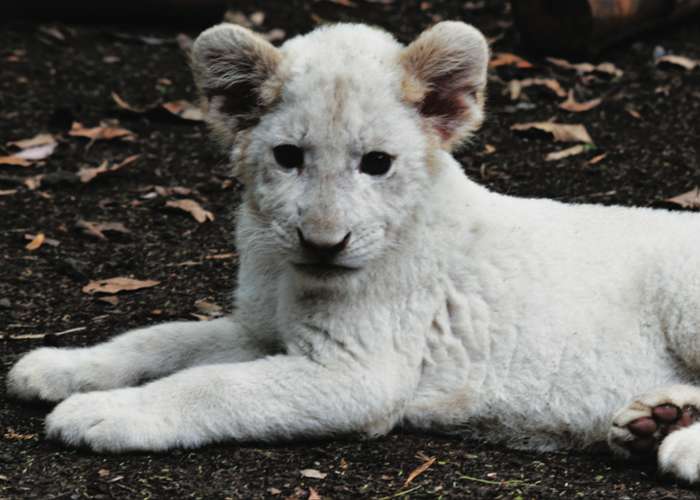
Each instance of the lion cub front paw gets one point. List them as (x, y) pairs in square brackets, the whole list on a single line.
[(47, 374), (639, 428)]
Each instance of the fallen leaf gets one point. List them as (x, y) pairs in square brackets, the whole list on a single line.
[(122, 104), (680, 61), (633, 113), (88, 174), (169, 191), (515, 86), (274, 491), (313, 474), (209, 309), (274, 35), (508, 59), (37, 140), (605, 68), (571, 104), (11, 435), (419, 470), (7, 192), (489, 149), (185, 110), (109, 299), (194, 208), (597, 159), (118, 284), (102, 132), (691, 199), (97, 229), (565, 153), (36, 242), (103, 472), (46, 241), (15, 160), (313, 494), (33, 182), (561, 132)]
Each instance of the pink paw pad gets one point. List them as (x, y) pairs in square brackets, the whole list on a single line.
[(664, 419)]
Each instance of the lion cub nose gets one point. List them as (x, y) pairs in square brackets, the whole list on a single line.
[(322, 250)]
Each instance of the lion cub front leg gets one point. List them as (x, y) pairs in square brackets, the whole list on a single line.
[(52, 374), (662, 422)]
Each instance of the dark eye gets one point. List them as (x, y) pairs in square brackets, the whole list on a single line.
[(289, 155), (376, 163)]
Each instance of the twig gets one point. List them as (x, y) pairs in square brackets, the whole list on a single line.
[(32, 336), (402, 493), (505, 482)]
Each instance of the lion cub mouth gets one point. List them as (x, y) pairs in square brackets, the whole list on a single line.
[(323, 269)]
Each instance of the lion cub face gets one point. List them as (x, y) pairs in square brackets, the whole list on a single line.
[(335, 133)]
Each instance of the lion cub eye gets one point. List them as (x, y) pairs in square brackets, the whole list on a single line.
[(376, 163), (289, 155)]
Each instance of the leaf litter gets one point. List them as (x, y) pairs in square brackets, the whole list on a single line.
[(32, 150), (574, 106), (193, 208), (103, 132), (98, 229), (560, 132), (117, 285), (87, 174)]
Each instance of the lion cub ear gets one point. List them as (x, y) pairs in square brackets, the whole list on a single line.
[(234, 70), (445, 77)]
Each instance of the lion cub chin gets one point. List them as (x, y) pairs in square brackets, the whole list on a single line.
[(379, 286)]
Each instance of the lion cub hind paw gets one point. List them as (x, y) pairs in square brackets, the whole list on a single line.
[(639, 429)]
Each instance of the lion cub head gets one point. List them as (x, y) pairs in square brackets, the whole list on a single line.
[(335, 133)]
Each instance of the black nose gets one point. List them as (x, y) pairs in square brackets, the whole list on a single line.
[(322, 251)]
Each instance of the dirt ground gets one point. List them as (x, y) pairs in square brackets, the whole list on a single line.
[(54, 73)]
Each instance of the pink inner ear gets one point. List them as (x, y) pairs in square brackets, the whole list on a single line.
[(446, 103)]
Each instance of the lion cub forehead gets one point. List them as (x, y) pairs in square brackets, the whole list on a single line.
[(358, 54)]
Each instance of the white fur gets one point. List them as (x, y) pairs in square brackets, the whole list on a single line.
[(519, 320)]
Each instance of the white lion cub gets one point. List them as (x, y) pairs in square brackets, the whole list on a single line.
[(378, 286)]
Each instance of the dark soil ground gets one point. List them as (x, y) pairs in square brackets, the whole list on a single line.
[(46, 83)]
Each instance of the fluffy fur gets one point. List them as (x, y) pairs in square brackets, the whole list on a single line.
[(451, 307)]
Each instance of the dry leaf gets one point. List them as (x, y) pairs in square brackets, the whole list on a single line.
[(33, 182), (681, 61), (36, 242), (597, 159), (508, 59), (169, 191), (313, 494), (565, 153), (313, 474), (185, 110), (47, 241), (14, 160), (88, 174), (102, 132), (605, 68), (7, 192), (103, 473), (489, 149), (37, 140), (515, 86), (122, 104), (274, 491), (571, 104), (691, 199), (194, 208), (109, 299), (419, 470), (116, 285), (633, 113), (559, 131), (97, 229), (11, 435), (209, 309)]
